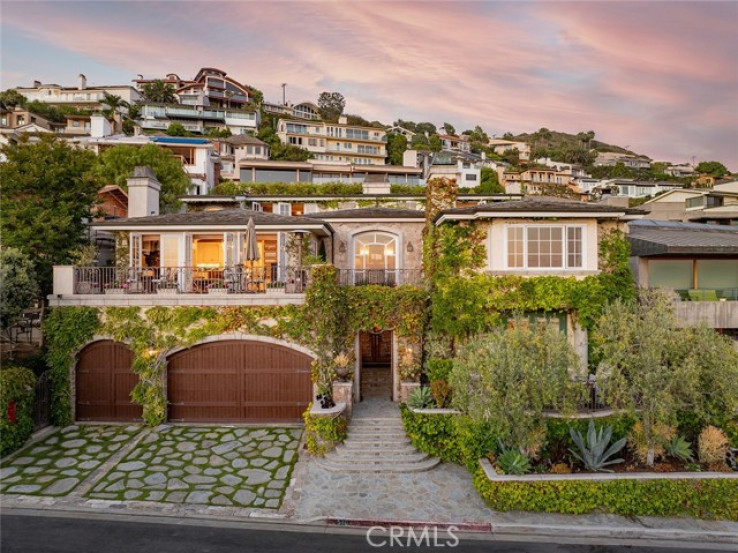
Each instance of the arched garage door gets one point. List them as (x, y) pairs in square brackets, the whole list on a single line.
[(238, 381), (104, 381)]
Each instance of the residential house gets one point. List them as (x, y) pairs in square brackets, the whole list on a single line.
[(211, 87), (632, 188), (408, 134), (544, 236), (466, 169), (697, 262), (501, 146), (455, 143), (336, 142), (610, 159), (303, 110), (718, 205), (197, 118), (20, 120), (82, 96), (234, 149)]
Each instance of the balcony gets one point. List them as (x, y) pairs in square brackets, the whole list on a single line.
[(716, 308), (147, 286), (381, 277)]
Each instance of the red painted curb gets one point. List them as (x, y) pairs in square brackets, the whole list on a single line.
[(368, 523)]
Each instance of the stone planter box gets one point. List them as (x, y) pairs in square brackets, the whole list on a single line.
[(218, 291), (343, 392)]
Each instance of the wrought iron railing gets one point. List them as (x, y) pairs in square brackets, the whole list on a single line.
[(186, 280), (383, 277)]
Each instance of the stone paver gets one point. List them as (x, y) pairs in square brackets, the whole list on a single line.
[(59, 463), (443, 494), (243, 467)]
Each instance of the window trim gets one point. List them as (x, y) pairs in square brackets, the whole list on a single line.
[(564, 254)]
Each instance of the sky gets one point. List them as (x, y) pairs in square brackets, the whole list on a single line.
[(660, 78)]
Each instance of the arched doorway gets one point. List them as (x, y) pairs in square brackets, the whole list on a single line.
[(239, 381), (104, 381)]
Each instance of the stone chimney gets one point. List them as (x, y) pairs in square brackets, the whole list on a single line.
[(36, 84), (342, 120), (143, 193), (81, 82)]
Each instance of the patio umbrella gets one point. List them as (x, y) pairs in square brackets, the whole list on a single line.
[(252, 247)]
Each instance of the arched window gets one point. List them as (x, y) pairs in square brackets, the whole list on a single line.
[(375, 258)]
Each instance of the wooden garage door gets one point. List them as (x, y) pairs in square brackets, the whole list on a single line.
[(104, 382), (238, 381)]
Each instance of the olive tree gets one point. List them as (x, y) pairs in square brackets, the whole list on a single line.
[(654, 369), (18, 287), (508, 379)]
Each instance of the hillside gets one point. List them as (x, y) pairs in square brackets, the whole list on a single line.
[(561, 141)]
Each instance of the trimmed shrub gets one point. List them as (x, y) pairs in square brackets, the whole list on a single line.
[(712, 445), (438, 369), (432, 434), (323, 433), (708, 499), (17, 386)]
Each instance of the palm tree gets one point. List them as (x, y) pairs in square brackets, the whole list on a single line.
[(114, 103), (159, 92)]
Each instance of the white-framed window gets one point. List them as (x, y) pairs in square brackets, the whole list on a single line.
[(540, 247)]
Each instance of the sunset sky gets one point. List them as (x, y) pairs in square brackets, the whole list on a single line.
[(659, 77)]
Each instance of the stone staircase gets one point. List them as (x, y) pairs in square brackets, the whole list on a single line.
[(377, 443)]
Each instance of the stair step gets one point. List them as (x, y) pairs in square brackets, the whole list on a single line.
[(376, 432), (354, 441), (361, 456), (383, 466), (344, 450)]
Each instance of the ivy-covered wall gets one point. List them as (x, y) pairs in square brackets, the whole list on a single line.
[(325, 324)]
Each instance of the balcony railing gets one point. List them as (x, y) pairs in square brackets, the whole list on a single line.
[(186, 280), (714, 294), (383, 277)]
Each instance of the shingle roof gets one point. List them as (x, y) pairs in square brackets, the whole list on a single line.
[(370, 213), (690, 238), (242, 139), (541, 204), (213, 218)]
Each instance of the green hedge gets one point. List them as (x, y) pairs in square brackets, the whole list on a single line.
[(435, 435), (708, 499), (16, 384), (323, 433)]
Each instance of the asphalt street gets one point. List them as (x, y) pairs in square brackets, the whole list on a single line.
[(50, 534)]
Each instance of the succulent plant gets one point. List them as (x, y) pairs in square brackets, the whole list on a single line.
[(420, 398), (595, 454), (512, 461), (679, 448)]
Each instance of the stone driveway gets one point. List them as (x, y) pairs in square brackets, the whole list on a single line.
[(221, 466), (243, 467)]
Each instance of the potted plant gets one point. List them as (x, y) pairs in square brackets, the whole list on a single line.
[(342, 366), (116, 287), (217, 287)]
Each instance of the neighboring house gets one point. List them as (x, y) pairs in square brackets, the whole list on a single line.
[(698, 262), (303, 110), (20, 120), (718, 205), (319, 172), (81, 96), (455, 143), (538, 181), (239, 148), (408, 134), (501, 146), (465, 169), (211, 87), (641, 189), (336, 142), (682, 170), (197, 118), (610, 159), (197, 155)]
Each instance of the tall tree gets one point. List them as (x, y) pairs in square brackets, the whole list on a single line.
[(489, 182), (48, 192), (449, 128), (331, 105), (159, 92), (712, 168), (19, 287), (11, 98), (115, 104), (116, 164), (396, 146), (426, 127), (436, 145)]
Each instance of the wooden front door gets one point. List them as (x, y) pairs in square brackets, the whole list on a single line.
[(239, 381), (104, 382)]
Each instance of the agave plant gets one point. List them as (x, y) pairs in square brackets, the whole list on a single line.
[(679, 448), (420, 398), (512, 461), (595, 455)]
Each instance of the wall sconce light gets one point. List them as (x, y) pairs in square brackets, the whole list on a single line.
[(341, 247), (151, 352), (410, 247)]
